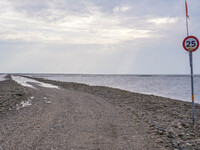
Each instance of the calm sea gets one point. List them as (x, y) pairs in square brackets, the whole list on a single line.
[(171, 86)]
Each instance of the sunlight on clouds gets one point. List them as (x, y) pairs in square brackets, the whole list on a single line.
[(93, 36), (165, 20), (91, 27), (121, 9)]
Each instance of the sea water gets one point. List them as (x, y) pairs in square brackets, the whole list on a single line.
[(2, 77), (170, 86)]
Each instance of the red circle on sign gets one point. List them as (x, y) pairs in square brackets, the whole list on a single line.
[(193, 37)]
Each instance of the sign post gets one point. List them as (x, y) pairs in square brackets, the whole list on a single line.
[(191, 44)]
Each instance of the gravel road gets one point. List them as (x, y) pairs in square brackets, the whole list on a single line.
[(65, 119), (82, 117)]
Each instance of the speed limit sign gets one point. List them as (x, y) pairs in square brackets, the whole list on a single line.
[(191, 43)]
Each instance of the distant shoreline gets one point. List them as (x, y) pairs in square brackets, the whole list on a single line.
[(174, 87), (145, 93), (103, 74)]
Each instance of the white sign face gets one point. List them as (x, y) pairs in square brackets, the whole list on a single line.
[(191, 43)]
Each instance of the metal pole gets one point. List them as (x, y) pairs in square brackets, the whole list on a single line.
[(192, 88), (191, 68)]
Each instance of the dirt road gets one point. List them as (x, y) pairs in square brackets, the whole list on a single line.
[(71, 120)]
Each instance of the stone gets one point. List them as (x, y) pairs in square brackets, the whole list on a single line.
[(159, 141), (185, 125), (180, 134), (188, 144), (192, 134), (171, 131), (160, 132)]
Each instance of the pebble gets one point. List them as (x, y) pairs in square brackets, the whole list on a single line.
[(161, 132), (151, 125), (180, 134), (176, 126), (188, 144), (171, 131), (192, 134), (185, 125), (159, 141), (180, 127), (48, 102)]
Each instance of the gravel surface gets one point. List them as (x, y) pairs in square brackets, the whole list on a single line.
[(11, 94), (79, 116)]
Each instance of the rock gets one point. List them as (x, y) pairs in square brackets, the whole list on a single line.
[(51, 129), (175, 126), (192, 134), (185, 125), (159, 141), (180, 127), (180, 134), (128, 108), (171, 131), (170, 136), (188, 134), (151, 126), (160, 132), (19, 94), (188, 144)]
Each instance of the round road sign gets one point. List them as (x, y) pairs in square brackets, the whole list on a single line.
[(191, 43)]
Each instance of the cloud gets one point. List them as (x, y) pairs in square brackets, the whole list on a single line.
[(121, 9), (92, 36), (164, 20), (50, 22)]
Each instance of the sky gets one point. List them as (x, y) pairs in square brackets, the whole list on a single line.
[(97, 36)]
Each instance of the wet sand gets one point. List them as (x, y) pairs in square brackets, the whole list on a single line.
[(78, 116)]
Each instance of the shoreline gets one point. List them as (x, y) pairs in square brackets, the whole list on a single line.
[(75, 86), (174, 87), (102, 86), (167, 118)]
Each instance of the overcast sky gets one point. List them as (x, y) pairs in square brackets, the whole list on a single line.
[(97, 36)]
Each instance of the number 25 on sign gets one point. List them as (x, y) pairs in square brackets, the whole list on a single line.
[(191, 43)]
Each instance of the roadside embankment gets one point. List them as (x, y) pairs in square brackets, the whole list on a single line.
[(11, 94)]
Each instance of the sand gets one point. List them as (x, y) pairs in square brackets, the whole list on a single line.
[(78, 116)]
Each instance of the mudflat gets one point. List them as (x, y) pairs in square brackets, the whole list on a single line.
[(78, 116)]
